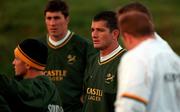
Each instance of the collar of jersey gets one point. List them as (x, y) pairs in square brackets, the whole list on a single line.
[(61, 42), (111, 56)]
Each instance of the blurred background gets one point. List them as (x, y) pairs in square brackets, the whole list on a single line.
[(20, 19)]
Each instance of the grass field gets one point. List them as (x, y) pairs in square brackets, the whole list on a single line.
[(23, 19)]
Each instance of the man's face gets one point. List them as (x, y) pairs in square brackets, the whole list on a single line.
[(101, 35), (57, 25), (19, 66)]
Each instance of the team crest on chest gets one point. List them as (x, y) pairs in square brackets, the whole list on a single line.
[(109, 78), (71, 59)]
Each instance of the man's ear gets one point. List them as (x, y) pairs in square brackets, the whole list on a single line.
[(68, 19), (116, 34), (27, 66), (127, 37), (127, 40)]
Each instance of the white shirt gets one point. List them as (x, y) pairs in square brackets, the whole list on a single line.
[(149, 79), (60, 41), (110, 55)]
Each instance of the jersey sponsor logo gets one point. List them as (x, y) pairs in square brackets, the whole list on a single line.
[(71, 59), (109, 78), (55, 108), (94, 94), (56, 75), (172, 77)]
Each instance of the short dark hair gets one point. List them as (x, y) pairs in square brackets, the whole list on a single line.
[(57, 5), (136, 23), (109, 17), (135, 6)]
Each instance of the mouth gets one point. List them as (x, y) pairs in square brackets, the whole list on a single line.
[(95, 41), (53, 29)]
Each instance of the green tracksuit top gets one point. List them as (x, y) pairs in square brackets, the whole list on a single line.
[(30, 95), (101, 84), (4, 105), (65, 67)]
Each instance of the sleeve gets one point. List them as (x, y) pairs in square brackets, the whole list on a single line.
[(133, 92), (23, 90), (5, 85), (4, 105), (31, 93)]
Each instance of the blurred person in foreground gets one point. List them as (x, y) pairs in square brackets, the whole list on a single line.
[(148, 74), (139, 7), (30, 90), (101, 74), (67, 55)]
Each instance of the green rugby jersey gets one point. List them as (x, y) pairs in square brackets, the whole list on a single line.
[(66, 66), (38, 94), (101, 84)]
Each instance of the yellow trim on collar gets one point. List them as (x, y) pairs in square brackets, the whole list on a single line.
[(61, 45), (104, 62)]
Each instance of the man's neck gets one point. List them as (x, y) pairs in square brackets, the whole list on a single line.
[(112, 54), (33, 73), (108, 50), (59, 37), (144, 38), (56, 43)]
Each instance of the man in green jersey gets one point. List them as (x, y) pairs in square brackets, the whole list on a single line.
[(101, 74), (67, 55), (30, 91)]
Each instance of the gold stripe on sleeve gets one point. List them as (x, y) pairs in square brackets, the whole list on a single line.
[(135, 97)]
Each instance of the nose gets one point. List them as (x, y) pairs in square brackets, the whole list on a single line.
[(13, 62), (94, 34), (52, 22)]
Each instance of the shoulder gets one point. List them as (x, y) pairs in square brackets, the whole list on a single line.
[(122, 52), (43, 80), (132, 58), (81, 42), (143, 53), (42, 39), (80, 39), (131, 54)]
